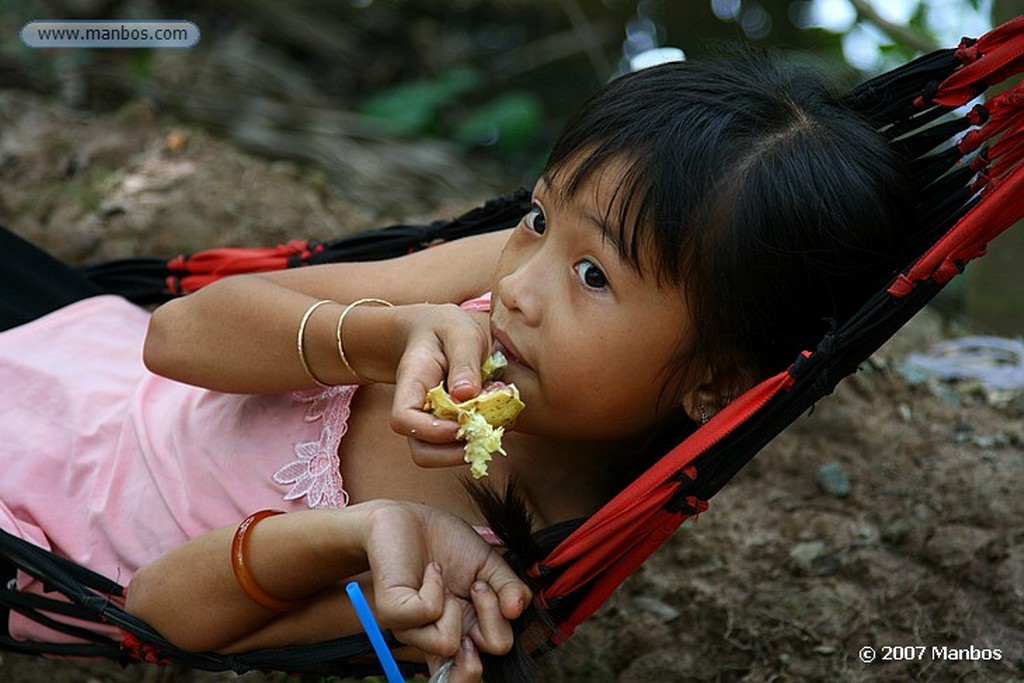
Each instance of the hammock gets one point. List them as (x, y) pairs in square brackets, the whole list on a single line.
[(969, 169)]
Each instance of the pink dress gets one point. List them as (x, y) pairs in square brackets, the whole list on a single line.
[(110, 465)]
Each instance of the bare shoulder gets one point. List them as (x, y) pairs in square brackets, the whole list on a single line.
[(451, 272)]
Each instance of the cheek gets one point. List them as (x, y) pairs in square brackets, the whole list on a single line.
[(634, 368), (608, 382), (592, 412), (636, 355), (592, 397)]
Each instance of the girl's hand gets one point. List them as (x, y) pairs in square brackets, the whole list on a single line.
[(465, 667), (444, 344), (435, 580)]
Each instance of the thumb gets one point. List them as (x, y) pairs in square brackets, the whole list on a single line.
[(464, 382), (464, 361), (513, 594)]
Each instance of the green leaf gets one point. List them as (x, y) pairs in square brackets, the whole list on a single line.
[(413, 108), (511, 121)]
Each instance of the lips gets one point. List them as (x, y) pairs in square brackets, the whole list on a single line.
[(504, 344)]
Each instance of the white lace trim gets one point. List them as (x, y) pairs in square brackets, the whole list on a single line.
[(315, 473)]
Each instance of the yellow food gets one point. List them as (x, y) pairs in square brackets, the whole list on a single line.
[(493, 365), (499, 407), (481, 441), (482, 419)]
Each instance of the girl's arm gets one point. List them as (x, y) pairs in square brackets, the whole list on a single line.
[(239, 334), (426, 567)]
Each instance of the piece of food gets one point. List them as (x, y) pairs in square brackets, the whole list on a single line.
[(493, 365), (483, 418)]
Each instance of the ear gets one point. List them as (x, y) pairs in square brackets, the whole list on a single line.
[(700, 405), (710, 397)]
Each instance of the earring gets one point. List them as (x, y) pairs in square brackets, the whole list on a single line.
[(704, 417)]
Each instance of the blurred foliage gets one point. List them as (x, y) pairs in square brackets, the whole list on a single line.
[(511, 121), (499, 74), (414, 107)]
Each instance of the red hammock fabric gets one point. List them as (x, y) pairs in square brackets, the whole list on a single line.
[(210, 265), (1000, 177), (993, 58)]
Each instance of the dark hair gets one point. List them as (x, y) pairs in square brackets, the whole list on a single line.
[(750, 185)]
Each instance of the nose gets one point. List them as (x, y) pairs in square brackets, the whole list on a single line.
[(523, 278)]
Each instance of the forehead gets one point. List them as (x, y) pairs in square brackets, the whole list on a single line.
[(588, 172), (591, 202)]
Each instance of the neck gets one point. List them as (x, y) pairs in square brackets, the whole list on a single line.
[(559, 480)]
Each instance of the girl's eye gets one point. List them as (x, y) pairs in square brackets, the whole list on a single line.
[(591, 276), (535, 220)]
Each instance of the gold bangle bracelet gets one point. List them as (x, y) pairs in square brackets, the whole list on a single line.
[(300, 339), (341, 322), (240, 566)]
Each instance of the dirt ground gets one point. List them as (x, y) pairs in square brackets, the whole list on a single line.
[(787, 576)]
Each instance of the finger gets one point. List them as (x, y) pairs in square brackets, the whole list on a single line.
[(465, 354), (513, 594), (467, 667), (431, 592), (437, 455), (492, 631), (415, 377), (440, 637), (408, 417), (420, 425), (408, 590), (402, 607), (514, 597)]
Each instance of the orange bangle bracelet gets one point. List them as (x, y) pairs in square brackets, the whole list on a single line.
[(239, 550)]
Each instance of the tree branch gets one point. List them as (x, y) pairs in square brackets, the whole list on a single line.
[(900, 34)]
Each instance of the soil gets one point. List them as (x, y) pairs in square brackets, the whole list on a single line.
[(888, 518)]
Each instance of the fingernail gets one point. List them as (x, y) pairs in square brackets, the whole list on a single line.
[(467, 644), (436, 566), (479, 586)]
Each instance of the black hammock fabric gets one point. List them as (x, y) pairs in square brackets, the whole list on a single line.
[(968, 165), (154, 280)]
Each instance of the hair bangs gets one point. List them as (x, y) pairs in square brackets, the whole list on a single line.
[(634, 220)]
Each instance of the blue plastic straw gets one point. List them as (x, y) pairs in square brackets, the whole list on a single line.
[(355, 594)]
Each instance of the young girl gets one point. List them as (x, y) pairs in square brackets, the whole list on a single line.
[(697, 225)]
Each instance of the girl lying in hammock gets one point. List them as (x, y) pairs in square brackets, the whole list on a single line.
[(697, 225)]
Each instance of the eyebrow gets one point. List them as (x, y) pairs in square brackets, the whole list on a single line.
[(609, 235)]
